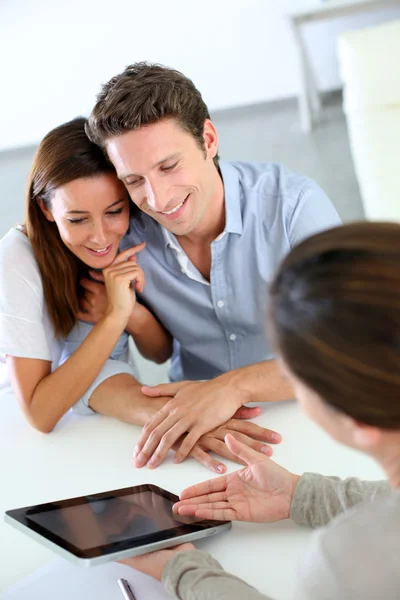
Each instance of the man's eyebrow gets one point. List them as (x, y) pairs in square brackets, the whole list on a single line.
[(157, 164), (85, 212)]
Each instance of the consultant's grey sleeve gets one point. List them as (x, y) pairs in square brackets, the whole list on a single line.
[(318, 499), (195, 575)]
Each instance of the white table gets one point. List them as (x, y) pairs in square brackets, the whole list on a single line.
[(303, 11), (92, 454)]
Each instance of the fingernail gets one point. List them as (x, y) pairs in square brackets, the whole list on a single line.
[(220, 468), (266, 450), (139, 461), (276, 437), (135, 451)]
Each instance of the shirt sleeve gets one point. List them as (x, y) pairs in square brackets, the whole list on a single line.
[(318, 499), (195, 575), (22, 331), (312, 213)]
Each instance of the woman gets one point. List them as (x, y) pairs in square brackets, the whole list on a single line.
[(77, 213), (335, 316)]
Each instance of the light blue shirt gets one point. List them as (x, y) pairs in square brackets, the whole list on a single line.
[(221, 325)]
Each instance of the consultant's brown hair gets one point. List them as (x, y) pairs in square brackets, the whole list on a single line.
[(335, 319), (63, 155), (146, 93)]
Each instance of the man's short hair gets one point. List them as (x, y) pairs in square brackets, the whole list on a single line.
[(146, 93)]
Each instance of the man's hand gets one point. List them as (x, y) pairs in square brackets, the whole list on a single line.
[(261, 492), (153, 564), (250, 434), (94, 302), (196, 409)]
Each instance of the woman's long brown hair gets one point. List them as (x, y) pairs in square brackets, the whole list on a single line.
[(64, 154), (335, 319)]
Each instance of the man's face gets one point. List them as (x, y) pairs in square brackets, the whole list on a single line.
[(168, 176)]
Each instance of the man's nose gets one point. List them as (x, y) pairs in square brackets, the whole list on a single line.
[(155, 196)]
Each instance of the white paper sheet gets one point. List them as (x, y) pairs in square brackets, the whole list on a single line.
[(60, 580)]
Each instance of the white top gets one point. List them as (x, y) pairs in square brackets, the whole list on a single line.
[(25, 327)]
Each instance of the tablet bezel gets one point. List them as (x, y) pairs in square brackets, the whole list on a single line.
[(153, 540)]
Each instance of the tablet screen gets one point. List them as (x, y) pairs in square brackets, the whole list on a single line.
[(102, 521)]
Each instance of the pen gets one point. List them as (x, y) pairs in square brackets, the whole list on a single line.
[(126, 589)]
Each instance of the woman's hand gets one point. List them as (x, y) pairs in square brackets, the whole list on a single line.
[(196, 409), (153, 564), (117, 296), (261, 492)]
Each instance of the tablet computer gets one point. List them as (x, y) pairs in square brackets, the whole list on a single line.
[(110, 526)]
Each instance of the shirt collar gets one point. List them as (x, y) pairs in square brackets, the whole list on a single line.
[(169, 239), (233, 212)]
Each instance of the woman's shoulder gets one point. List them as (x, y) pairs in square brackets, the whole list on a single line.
[(16, 256), (15, 244), (359, 547)]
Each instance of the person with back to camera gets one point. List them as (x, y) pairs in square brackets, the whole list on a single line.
[(335, 320), (215, 233), (76, 216)]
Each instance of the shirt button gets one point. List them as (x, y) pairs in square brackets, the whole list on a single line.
[(232, 337), (220, 303)]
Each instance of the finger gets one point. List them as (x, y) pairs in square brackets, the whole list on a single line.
[(126, 273), (254, 431), (96, 275), (207, 461), (205, 487), (167, 440), (243, 452), (219, 447), (188, 443), (224, 513), (160, 440), (90, 286), (126, 254), (147, 431), (83, 316), (247, 412), (165, 389), (206, 499), (86, 306), (255, 444)]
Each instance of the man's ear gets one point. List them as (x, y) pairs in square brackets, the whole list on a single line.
[(47, 213), (210, 136), (365, 436)]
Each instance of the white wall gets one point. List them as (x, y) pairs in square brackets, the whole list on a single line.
[(54, 56)]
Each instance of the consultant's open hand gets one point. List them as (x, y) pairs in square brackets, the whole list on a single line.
[(261, 492), (153, 564), (195, 409)]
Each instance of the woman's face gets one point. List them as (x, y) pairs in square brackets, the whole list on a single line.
[(92, 216)]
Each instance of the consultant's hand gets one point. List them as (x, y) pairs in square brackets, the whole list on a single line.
[(112, 290), (153, 564), (195, 409), (261, 492)]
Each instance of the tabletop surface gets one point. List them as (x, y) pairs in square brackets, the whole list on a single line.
[(85, 455)]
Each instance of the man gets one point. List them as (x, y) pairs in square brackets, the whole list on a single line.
[(215, 234)]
